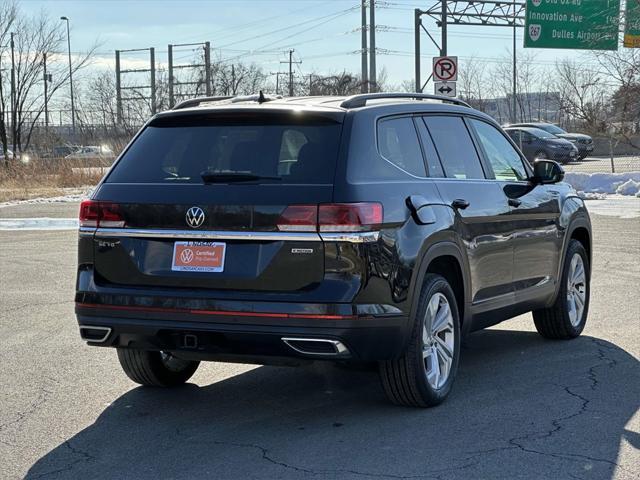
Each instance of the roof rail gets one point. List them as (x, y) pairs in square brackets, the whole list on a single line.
[(356, 101), (194, 102)]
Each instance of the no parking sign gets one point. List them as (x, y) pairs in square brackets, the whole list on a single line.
[(445, 69)]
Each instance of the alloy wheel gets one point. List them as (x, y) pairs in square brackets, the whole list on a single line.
[(576, 289), (173, 363), (438, 341)]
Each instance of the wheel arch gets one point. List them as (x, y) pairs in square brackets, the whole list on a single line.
[(579, 229), (446, 259)]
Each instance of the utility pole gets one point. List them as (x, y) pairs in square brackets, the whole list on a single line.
[(13, 96), (118, 90), (277, 74), (73, 109), (417, 21), (233, 79), (443, 42), (291, 73), (3, 146), (172, 100), (372, 40), (365, 75), (207, 68), (514, 112), (152, 68), (291, 62), (47, 79)]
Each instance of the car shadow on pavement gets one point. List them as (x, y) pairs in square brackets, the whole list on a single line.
[(522, 406)]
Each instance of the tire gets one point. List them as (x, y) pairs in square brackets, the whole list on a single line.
[(564, 319), (411, 379), (155, 369), (542, 155)]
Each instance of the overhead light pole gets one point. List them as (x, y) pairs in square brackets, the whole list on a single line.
[(73, 110)]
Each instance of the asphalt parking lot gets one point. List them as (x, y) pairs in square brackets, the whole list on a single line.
[(522, 407)]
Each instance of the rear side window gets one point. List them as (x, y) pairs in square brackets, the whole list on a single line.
[(179, 152), (398, 143), (455, 147)]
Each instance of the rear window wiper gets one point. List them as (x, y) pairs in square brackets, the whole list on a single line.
[(224, 177)]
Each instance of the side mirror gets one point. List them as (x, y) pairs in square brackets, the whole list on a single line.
[(546, 172)]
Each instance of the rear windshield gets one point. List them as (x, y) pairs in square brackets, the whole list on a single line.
[(172, 152)]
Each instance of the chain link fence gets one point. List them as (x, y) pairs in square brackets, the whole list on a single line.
[(605, 164)]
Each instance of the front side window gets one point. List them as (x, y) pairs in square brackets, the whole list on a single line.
[(398, 143), (503, 158), (455, 147)]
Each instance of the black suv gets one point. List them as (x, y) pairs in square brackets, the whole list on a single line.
[(540, 144), (584, 143), (374, 228)]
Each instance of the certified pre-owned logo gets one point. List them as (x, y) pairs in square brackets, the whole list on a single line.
[(195, 217)]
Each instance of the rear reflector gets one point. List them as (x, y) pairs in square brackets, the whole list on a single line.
[(226, 313), (100, 214)]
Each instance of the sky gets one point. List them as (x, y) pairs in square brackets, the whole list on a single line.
[(323, 33)]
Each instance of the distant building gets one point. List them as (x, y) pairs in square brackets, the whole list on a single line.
[(534, 106)]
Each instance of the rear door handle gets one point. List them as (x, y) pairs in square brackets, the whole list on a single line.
[(514, 202), (460, 203)]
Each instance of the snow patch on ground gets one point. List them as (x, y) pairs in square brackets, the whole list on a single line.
[(591, 195), (74, 195), (630, 187), (587, 184), (615, 206), (41, 223)]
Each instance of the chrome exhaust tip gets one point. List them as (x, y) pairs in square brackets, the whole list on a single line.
[(93, 334), (317, 346)]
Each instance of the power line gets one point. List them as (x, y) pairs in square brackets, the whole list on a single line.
[(278, 30)]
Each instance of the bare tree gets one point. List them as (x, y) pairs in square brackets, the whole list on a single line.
[(582, 94), (8, 15), (34, 38), (473, 83), (623, 68), (238, 79)]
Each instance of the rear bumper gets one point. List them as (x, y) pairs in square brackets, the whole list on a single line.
[(245, 336), (563, 156), (584, 149)]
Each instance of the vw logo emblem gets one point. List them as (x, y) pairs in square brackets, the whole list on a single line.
[(186, 255), (195, 217)]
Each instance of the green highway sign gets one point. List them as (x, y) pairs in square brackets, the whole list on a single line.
[(574, 24), (632, 24)]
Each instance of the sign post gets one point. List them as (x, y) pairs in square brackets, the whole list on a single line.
[(573, 24), (632, 24)]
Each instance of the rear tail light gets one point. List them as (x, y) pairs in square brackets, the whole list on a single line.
[(100, 214), (349, 217), (299, 218), (333, 217)]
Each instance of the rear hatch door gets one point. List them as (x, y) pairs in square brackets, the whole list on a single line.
[(220, 200)]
